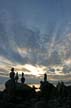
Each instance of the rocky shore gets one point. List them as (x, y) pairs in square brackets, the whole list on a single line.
[(21, 95), (7, 101)]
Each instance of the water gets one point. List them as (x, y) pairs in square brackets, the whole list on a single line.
[(2, 87)]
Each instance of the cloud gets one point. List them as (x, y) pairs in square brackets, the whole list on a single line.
[(23, 45), (51, 70), (66, 69), (31, 51), (65, 77), (54, 58)]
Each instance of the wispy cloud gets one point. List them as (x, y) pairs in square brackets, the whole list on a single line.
[(31, 51)]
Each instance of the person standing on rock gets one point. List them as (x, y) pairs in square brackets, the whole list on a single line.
[(12, 74), (45, 77), (16, 77), (10, 84), (22, 78)]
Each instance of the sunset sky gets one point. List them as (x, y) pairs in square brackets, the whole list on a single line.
[(35, 38)]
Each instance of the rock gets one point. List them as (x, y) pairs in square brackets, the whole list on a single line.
[(40, 104)]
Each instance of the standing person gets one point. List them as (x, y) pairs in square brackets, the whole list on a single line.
[(12, 73), (45, 77), (12, 82), (22, 78), (16, 77)]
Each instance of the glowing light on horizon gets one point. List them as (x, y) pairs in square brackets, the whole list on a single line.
[(31, 70), (35, 70)]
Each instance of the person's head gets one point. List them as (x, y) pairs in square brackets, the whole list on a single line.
[(12, 69)]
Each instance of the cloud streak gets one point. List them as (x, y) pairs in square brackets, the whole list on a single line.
[(31, 51)]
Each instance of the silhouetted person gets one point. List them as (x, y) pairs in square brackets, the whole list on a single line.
[(10, 84), (12, 73), (45, 77), (16, 77), (22, 78)]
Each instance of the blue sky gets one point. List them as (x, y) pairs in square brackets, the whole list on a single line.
[(39, 13), (34, 35)]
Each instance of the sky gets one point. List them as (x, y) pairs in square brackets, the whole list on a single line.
[(35, 37)]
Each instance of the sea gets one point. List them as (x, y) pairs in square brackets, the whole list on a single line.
[(37, 85)]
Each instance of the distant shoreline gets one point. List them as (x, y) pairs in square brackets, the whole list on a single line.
[(2, 86)]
